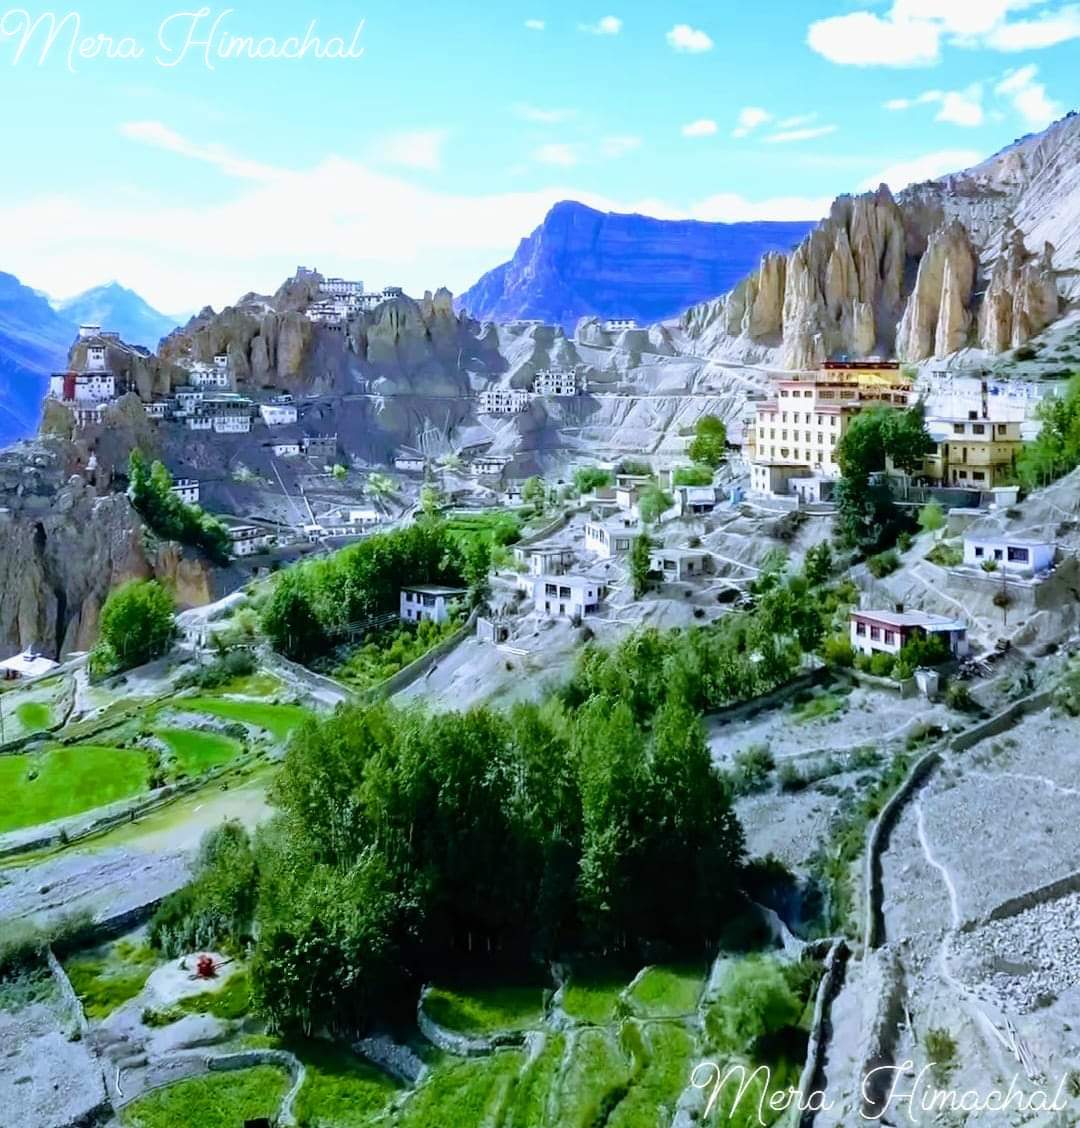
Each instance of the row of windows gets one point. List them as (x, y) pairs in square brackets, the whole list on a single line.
[(807, 436), (979, 428), (875, 634)]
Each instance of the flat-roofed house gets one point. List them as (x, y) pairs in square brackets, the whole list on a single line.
[(29, 664), (888, 631), (569, 595), (545, 559), (676, 564), (1010, 554), (428, 601), (613, 537)]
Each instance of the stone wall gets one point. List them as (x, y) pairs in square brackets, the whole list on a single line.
[(416, 669), (812, 1078)]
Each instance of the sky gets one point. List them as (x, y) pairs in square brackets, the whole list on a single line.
[(190, 154)]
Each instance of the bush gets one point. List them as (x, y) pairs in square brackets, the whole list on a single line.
[(238, 663), (790, 777), (838, 651), (136, 626), (903, 541), (941, 1050), (946, 555), (751, 769), (1025, 352), (883, 564), (696, 475), (958, 697), (931, 517), (989, 566), (881, 664)]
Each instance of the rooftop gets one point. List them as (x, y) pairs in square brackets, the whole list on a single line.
[(434, 589), (911, 619), (28, 664), (1005, 539)]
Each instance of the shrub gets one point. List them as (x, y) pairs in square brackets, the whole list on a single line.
[(697, 475), (903, 541), (946, 555), (958, 697), (989, 565), (941, 1050), (751, 769), (881, 664), (1025, 352), (838, 651), (883, 564), (790, 777), (931, 517)]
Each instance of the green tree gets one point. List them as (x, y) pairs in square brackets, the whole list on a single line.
[(709, 444), (431, 499), (339, 472), (534, 492), (931, 517), (380, 486), (818, 565), (653, 502), (589, 478), (639, 564), (1056, 451), (697, 475), (136, 625), (476, 571)]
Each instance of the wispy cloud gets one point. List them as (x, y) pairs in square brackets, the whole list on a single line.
[(796, 121), (703, 127), (958, 107), (556, 153), (619, 146), (542, 116), (535, 25), (420, 149), (927, 167), (750, 117), (1048, 30), (159, 136), (608, 25), (1028, 97), (683, 37), (786, 136)]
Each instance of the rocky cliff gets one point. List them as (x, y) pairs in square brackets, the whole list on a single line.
[(584, 263), (986, 257), (65, 543)]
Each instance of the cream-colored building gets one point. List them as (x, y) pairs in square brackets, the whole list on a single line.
[(980, 452)]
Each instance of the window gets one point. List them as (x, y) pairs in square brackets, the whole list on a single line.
[(978, 475), (958, 428), (860, 630), (890, 638), (979, 552), (875, 634), (1018, 555), (978, 429)]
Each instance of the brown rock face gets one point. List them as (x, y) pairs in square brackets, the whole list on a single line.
[(1022, 297), (937, 317)]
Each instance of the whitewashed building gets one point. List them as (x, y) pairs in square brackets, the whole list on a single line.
[(557, 382), (188, 398), (285, 450), (428, 601), (609, 538), (411, 463), (212, 376), (82, 387), (340, 287), (675, 564), (503, 401), (29, 664), (888, 631), (278, 414), (1009, 554), (247, 540), (618, 324), (567, 595), (157, 409), (187, 490)]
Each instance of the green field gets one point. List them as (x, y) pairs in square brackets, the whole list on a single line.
[(218, 1100), (592, 994), (66, 781), (278, 720), (486, 1010), (465, 1093), (341, 1089), (668, 991), (495, 527), (34, 715), (107, 977), (195, 752)]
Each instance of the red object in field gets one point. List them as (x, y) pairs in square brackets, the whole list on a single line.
[(205, 968), (69, 387)]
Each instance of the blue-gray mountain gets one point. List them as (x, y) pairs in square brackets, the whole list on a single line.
[(113, 306), (34, 341), (581, 262)]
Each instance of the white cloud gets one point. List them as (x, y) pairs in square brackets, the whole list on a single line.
[(556, 153), (796, 121), (958, 107), (729, 207), (535, 25), (750, 117), (1029, 35), (683, 37), (911, 32), (541, 116), (863, 39), (159, 136), (619, 146), (930, 166), (1028, 97), (609, 25), (420, 148), (703, 127), (786, 136)]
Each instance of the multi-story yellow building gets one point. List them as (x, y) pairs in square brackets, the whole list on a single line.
[(977, 452), (796, 434)]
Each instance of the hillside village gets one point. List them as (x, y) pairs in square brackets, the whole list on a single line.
[(415, 721)]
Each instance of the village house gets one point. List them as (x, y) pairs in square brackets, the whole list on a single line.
[(677, 564), (228, 414), (319, 446), (82, 387), (629, 488), (570, 595), (976, 452), (247, 540), (187, 398), (277, 413), (503, 401), (410, 463), (693, 501), (801, 427), (1008, 554), (494, 629), (29, 664), (157, 409), (888, 631), (187, 490), (285, 450), (612, 537), (557, 382), (391, 292), (340, 288), (428, 601), (488, 465), (541, 559), (618, 324), (212, 376)]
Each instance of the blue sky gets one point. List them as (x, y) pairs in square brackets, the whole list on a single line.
[(194, 178)]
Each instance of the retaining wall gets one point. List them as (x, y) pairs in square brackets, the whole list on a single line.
[(812, 1078), (778, 696), (64, 704), (461, 1044), (416, 669), (248, 1059)]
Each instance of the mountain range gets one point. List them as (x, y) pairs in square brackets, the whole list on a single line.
[(113, 306), (585, 263)]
